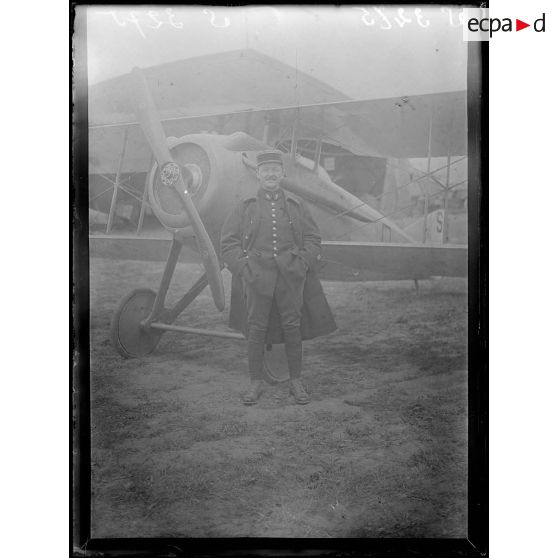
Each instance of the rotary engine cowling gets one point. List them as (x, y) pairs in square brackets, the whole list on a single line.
[(216, 179)]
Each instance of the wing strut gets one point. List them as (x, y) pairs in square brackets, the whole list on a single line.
[(116, 184)]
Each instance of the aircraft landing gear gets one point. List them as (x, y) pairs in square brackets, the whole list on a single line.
[(141, 319), (128, 336)]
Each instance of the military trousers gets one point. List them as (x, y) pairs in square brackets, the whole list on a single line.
[(288, 300)]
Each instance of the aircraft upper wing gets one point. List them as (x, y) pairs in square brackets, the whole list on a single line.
[(397, 127), (400, 127)]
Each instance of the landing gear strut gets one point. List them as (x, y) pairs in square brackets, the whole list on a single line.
[(141, 318)]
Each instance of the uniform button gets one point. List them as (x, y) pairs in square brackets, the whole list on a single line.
[(274, 234)]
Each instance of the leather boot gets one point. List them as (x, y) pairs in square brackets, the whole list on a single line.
[(293, 351), (256, 340), (300, 394), (253, 393)]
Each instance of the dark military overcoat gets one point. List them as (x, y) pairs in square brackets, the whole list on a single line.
[(301, 263)]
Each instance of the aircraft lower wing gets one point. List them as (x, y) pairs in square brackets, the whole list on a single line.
[(341, 261), (367, 261)]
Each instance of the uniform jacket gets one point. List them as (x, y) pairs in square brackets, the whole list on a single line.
[(297, 265)]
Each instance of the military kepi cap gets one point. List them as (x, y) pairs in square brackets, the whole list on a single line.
[(271, 156)]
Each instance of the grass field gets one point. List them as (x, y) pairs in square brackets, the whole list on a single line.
[(381, 450)]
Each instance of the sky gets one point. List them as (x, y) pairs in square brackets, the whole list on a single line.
[(365, 52)]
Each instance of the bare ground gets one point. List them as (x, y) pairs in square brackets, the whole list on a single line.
[(381, 451)]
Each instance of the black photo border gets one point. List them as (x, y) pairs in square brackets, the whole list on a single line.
[(476, 544)]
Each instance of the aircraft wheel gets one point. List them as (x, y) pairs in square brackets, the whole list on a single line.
[(127, 335), (275, 368)]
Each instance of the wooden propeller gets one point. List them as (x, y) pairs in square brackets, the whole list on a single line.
[(171, 176)]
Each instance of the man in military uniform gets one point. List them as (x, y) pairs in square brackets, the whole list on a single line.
[(271, 243)]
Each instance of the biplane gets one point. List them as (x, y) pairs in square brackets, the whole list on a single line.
[(196, 162)]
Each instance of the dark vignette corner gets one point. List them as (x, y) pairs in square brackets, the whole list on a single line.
[(478, 294), (477, 542), (79, 266)]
